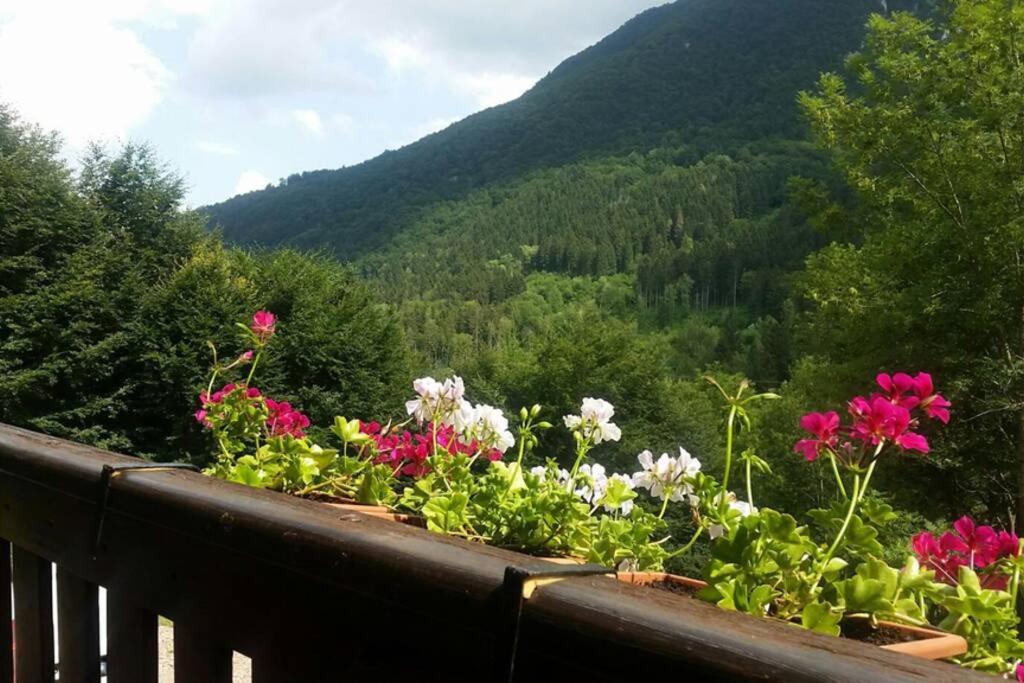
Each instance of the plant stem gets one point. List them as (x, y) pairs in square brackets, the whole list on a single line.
[(664, 506), (252, 368), (839, 478), (581, 452), (523, 433), (859, 488), (728, 465), (689, 544), (750, 490)]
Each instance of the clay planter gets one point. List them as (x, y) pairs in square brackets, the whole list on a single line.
[(670, 582), (925, 643), (565, 560), (378, 511)]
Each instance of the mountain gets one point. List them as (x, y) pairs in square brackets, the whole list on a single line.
[(694, 75)]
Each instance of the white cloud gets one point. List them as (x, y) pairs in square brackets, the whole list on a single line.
[(344, 123), (216, 148), (79, 73), (488, 51), (490, 89), (249, 181), (310, 120)]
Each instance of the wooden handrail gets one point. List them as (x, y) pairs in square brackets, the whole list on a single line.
[(315, 594)]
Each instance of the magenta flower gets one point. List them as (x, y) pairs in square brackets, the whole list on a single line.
[(898, 429), (824, 427), (925, 545), (880, 420), (245, 357), (895, 386), (934, 405), (968, 545), (263, 324), (1019, 671), (283, 420)]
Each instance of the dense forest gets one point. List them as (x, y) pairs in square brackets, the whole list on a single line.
[(664, 205), (702, 74)]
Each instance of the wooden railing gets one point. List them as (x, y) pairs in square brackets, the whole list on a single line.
[(312, 594)]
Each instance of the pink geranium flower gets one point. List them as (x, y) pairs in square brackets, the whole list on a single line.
[(263, 324), (980, 548), (283, 420), (824, 427), (895, 388), (934, 405), (880, 420)]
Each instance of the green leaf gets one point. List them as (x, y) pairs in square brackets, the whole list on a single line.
[(821, 618), (877, 512)]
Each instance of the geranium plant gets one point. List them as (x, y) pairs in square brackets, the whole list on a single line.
[(449, 461)]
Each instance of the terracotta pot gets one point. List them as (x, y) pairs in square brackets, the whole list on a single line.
[(652, 578), (565, 560), (380, 512), (925, 643)]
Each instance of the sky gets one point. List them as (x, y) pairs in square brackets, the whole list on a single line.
[(236, 94)]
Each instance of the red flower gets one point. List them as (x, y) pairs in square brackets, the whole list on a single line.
[(824, 427), (407, 453), (935, 405), (283, 420), (1007, 544), (896, 386), (979, 547), (263, 324), (880, 420)]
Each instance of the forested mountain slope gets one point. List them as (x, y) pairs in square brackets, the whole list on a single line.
[(704, 75)]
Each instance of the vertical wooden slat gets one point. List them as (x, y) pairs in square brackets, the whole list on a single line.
[(78, 629), (131, 641), (33, 612), (199, 658), (6, 630)]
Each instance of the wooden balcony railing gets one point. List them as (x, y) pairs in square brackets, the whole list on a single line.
[(312, 594)]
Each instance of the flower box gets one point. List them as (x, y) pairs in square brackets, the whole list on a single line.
[(925, 643), (378, 511)]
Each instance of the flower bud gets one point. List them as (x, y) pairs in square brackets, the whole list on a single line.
[(535, 410), (523, 414)]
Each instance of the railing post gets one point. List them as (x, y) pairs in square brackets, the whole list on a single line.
[(131, 641), (78, 629), (33, 613), (6, 628), (198, 658)]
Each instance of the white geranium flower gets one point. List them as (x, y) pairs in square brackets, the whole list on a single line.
[(453, 390), (741, 506), (594, 421), (460, 416), (593, 480), (488, 426), (667, 474), (422, 408), (441, 402), (542, 472)]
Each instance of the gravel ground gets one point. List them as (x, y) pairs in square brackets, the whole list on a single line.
[(241, 665)]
